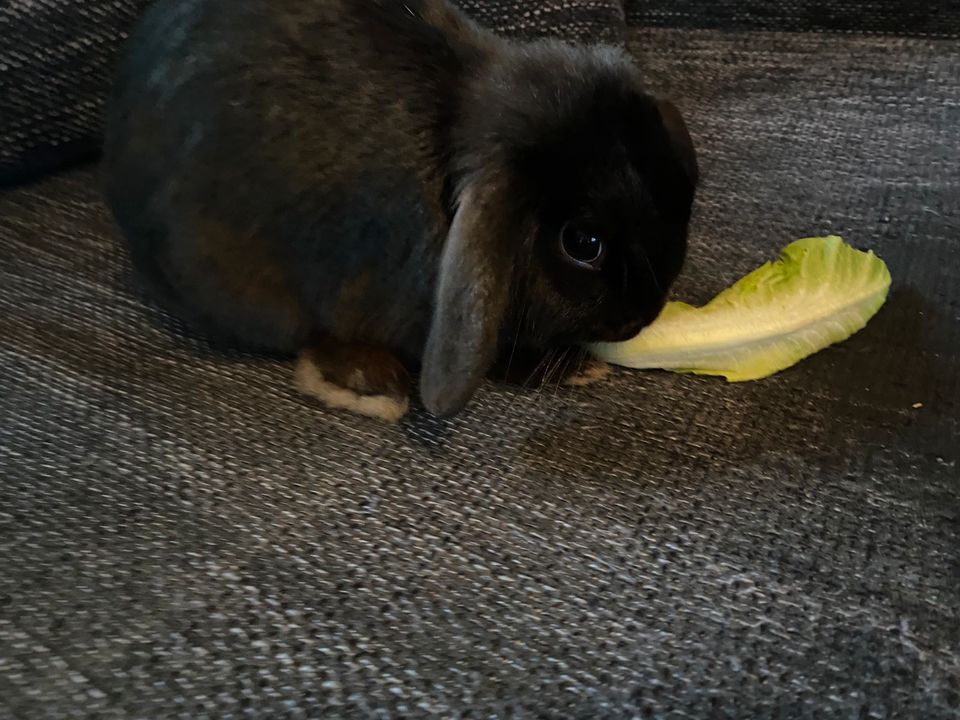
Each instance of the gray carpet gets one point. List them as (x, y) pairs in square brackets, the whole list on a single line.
[(181, 535), (929, 18)]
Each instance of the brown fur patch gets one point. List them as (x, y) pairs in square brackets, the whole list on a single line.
[(257, 279), (348, 315), (590, 373)]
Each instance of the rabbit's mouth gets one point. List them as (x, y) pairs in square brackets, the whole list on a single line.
[(626, 332), (631, 328)]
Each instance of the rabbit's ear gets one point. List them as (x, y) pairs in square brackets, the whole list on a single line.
[(680, 139), (473, 291)]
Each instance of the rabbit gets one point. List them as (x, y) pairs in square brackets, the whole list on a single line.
[(384, 188)]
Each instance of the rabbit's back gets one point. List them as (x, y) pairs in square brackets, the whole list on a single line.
[(278, 165)]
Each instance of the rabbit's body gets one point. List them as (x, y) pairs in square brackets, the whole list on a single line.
[(295, 174), (269, 191)]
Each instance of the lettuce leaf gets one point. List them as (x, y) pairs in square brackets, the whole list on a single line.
[(820, 292)]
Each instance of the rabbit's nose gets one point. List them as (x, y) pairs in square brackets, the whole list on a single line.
[(627, 331)]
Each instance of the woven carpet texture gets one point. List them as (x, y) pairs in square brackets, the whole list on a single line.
[(183, 536), (937, 18)]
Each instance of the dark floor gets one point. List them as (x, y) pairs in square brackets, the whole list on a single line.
[(183, 535), (927, 18)]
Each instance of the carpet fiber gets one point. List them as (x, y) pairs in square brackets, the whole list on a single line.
[(181, 535), (932, 18)]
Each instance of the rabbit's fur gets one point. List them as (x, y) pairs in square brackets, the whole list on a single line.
[(382, 186)]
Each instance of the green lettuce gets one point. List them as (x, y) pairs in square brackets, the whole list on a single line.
[(820, 292)]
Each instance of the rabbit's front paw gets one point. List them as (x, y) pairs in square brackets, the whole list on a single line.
[(364, 379)]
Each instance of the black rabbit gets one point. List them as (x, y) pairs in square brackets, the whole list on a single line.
[(382, 186)]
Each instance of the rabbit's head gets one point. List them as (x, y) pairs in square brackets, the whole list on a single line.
[(574, 193)]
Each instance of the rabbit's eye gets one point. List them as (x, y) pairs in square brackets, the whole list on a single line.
[(581, 247)]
